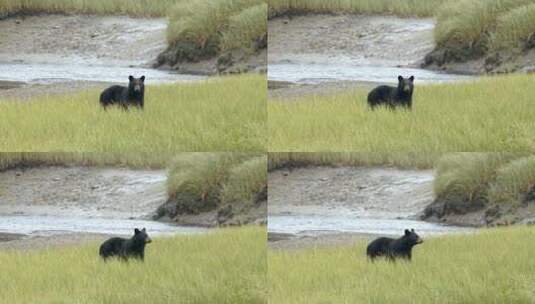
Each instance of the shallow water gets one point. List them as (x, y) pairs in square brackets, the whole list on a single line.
[(310, 73), (50, 225), (311, 225), (44, 73)]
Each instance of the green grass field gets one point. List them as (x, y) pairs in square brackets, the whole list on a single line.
[(225, 266), (219, 114), (494, 266), (491, 114)]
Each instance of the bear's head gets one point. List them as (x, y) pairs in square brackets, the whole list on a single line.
[(412, 238), (141, 235), (136, 85), (406, 84)]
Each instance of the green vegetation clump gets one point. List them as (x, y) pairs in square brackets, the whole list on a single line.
[(515, 182), (490, 266), (471, 29), (490, 114), (419, 8), (485, 178), (200, 182), (203, 29), (466, 177), (219, 114), (226, 266), (515, 29)]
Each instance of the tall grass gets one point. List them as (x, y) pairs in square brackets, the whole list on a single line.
[(515, 28), (492, 114), (220, 114), (484, 178), (225, 266), (420, 8), (493, 266), (204, 181), (514, 181), (196, 28), (466, 28), (140, 8)]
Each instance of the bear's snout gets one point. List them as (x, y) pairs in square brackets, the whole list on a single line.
[(148, 240)]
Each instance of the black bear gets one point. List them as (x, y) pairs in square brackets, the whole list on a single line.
[(133, 95), (133, 247), (394, 248), (393, 96)]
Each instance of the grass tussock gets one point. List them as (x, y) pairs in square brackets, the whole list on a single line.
[(201, 182), (220, 114), (485, 178), (404, 8), (491, 114), (514, 182), (226, 266), (492, 266), (470, 29), (138, 8), (204, 28)]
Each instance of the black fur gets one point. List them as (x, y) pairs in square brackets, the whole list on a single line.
[(133, 95), (392, 97), (394, 248), (133, 247)]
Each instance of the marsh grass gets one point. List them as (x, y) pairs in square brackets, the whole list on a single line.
[(204, 28), (473, 28), (491, 114), (224, 266), (491, 266), (219, 114), (207, 180)]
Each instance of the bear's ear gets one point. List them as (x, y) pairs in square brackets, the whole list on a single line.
[(407, 232), (144, 230), (131, 78), (142, 78), (136, 231), (411, 78), (412, 230), (400, 78)]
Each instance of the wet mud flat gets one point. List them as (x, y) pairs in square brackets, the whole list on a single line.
[(66, 53), (322, 206), (315, 52), (70, 205)]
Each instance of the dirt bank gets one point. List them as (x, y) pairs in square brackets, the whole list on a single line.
[(522, 61), (187, 211), (481, 213)]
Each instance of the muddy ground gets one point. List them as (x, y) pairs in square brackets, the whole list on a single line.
[(82, 192), (348, 40)]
